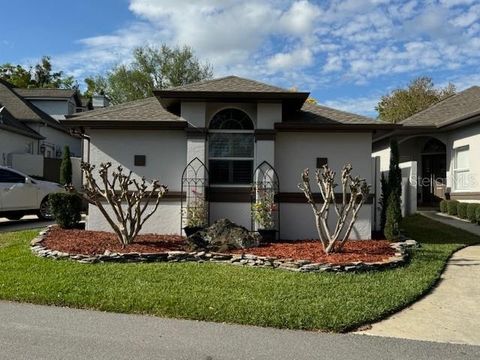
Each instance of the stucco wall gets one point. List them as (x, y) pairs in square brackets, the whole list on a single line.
[(166, 219), (165, 151), (58, 138), (15, 143), (461, 137), (27, 163), (55, 108), (296, 151)]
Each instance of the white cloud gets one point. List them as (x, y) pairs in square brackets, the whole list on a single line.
[(298, 42), (358, 105), (297, 58)]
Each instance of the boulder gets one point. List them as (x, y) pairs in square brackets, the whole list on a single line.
[(223, 235)]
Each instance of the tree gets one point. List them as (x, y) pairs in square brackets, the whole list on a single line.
[(38, 76), (151, 68), (347, 212), (66, 167), (392, 224), (128, 199), (419, 95), (16, 75), (392, 193), (383, 201)]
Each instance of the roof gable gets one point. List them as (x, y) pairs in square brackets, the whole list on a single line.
[(458, 107), (9, 123), (148, 109), (22, 109), (230, 84)]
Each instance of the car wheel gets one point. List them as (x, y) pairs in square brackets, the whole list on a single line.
[(44, 213), (15, 217)]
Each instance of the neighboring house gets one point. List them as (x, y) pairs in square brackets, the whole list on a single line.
[(55, 135), (443, 145), (232, 125), (58, 103), (16, 136)]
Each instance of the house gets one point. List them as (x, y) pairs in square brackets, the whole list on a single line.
[(232, 125), (57, 103), (442, 144), (28, 135)]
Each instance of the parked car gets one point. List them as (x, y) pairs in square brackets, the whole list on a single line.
[(22, 195)]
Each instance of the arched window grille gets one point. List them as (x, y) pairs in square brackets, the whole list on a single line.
[(195, 207), (231, 148), (264, 200)]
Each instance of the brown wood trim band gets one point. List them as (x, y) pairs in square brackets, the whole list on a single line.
[(299, 198), (196, 133), (339, 127), (128, 125), (232, 194), (229, 194), (265, 134), (465, 196)]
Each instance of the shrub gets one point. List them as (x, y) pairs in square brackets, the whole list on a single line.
[(477, 214), (394, 216), (444, 206), (66, 208), (471, 212), (452, 207), (462, 210), (66, 167)]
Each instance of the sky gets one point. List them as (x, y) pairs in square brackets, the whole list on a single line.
[(347, 53)]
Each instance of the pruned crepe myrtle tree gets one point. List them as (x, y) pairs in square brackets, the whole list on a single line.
[(346, 212), (127, 197)]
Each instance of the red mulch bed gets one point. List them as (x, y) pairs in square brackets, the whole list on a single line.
[(353, 251), (96, 242)]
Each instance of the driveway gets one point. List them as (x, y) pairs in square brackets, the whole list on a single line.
[(41, 332), (25, 223), (451, 312)]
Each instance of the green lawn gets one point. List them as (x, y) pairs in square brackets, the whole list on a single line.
[(215, 292)]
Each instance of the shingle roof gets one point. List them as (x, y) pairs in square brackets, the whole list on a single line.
[(46, 93), (22, 109), (230, 84), (9, 123), (455, 108), (148, 109), (319, 114)]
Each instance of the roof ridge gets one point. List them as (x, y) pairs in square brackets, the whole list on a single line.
[(439, 102), (43, 115), (116, 107), (209, 81), (342, 111)]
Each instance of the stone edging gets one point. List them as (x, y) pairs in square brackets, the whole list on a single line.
[(400, 258)]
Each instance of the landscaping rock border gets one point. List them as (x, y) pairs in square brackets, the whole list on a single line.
[(400, 258)]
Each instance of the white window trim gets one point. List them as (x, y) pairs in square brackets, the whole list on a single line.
[(460, 170)]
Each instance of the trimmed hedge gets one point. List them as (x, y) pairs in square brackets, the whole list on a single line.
[(462, 210), (477, 214), (472, 212), (444, 206), (66, 208), (452, 206)]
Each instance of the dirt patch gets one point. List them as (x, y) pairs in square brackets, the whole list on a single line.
[(97, 242), (353, 251)]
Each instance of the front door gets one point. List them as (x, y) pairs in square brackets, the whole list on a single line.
[(434, 173)]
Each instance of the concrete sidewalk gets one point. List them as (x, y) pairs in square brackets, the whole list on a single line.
[(42, 332), (452, 221), (451, 313)]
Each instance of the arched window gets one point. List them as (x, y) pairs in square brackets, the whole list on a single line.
[(231, 148)]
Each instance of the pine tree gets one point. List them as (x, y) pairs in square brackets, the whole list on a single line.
[(66, 167), (393, 212), (392, 224)]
